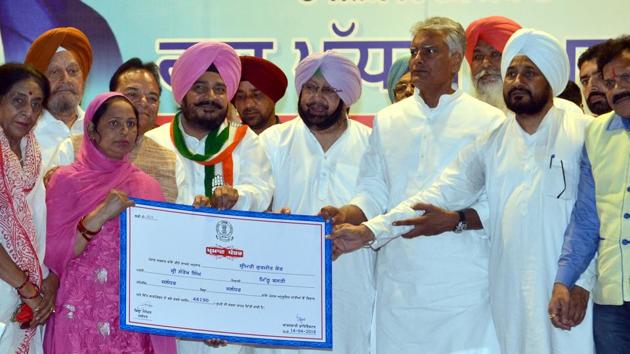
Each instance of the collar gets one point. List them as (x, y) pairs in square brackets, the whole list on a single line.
[(619, 122), (191, 140), (444, 100)]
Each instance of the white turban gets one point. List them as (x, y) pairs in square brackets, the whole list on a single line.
[(542, 49)]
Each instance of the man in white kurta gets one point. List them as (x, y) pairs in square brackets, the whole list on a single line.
[(204, 80), (432, 293), (313, 165), (64, 55), (51, 132), (531, 182), (252, 175)]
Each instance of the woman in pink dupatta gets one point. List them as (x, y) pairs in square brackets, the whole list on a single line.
[(84, 201)]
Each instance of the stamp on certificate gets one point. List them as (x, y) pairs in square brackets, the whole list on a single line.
[(224, 231)]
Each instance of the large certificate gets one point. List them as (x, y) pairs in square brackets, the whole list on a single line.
[(245, 277)]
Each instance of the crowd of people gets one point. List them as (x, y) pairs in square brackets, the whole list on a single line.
[(483, 216)]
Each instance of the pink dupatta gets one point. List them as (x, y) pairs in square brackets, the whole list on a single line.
[(75, 190)]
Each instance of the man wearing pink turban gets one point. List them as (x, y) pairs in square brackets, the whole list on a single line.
[(223, 162), (485, 40), (315, 161)]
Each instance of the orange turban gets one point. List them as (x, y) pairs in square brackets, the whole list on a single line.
[(494, 30), (45, 46)]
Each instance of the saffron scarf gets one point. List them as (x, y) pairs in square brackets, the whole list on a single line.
[(16, 219), (215, 152)]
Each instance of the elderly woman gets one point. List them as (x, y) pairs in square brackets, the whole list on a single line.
[(399, 83), (84, 201), (26, 290)]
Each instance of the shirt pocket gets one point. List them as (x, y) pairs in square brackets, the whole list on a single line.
[(560, 180)]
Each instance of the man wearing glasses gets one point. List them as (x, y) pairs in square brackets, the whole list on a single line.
[(140, 82), (529, 169), (600, 221), (432, 292)]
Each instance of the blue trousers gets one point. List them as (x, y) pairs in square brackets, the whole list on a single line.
[(611, 327)]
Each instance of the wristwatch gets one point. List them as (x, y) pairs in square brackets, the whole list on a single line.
[(462, 224)]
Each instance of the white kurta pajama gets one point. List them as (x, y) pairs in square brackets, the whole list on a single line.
[(530, 205), (308, 179), (252, 179), (433, 291), (50, 132)]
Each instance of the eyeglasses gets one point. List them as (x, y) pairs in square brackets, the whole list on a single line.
[(618, 80), (403, 87), (326, 91)]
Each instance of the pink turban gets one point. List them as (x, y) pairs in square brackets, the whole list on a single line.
[(196, 60), (340, 72), (494, 30)]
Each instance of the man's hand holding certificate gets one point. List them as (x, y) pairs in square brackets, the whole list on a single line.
[(240, 276)]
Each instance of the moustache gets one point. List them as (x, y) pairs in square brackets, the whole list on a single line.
[(66, 87), (485, 72), (317, 105), (208, 104), (249, 111), (595, 94), (523, 90), (620, 96)]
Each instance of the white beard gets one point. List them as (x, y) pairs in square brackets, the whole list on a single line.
[(491, 93)]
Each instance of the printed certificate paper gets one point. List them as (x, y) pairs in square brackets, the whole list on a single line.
[(244, 277)]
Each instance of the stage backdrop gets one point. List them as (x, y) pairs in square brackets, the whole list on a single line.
[(373, 33)]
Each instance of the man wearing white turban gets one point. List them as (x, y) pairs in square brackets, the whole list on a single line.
[(315, 161), (432, 292), (529, 170)]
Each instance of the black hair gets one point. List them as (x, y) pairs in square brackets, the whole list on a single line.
[(212, 69), (135, 64), (12, 73), (591, 53), (572, 93), (613, 49), (103, 108)]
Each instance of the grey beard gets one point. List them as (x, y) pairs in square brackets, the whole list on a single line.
[(63, 107), (492, 94)]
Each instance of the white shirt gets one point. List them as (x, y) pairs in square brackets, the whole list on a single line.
[(50, 132), (432, 291), (252, 174), (308, 179), (531, 183)]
